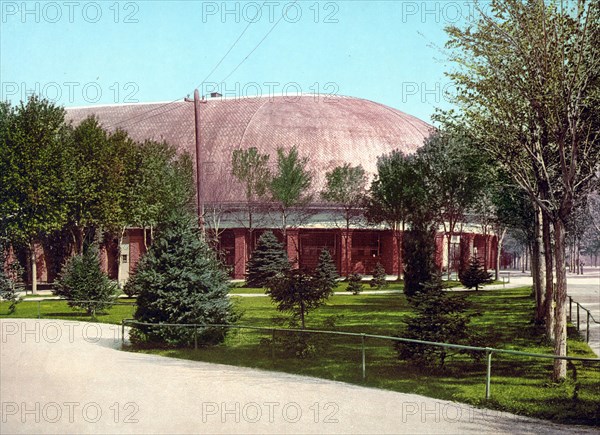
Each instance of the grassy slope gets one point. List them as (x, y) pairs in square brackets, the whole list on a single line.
[(519, 384)]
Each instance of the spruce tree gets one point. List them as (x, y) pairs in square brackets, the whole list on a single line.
[(439, 316), (326, 274), (355, 283), (10, 275), (475, 275), (180, 280), (379, 277), (84, 284), (419, 257), (268, 260)]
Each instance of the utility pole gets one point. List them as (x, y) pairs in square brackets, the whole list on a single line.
[(199, 187)]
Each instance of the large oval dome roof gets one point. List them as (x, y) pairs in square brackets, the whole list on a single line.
[(330, 130)]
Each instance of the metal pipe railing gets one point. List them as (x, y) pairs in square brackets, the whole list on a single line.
[(589, 318), (488, 350)]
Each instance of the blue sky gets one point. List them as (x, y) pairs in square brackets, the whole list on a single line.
[(86, 53)]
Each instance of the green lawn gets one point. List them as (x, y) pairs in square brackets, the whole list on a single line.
[(519, 384), (57, 309)]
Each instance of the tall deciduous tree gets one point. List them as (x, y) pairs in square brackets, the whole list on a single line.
[(251, 168), (457, 172), (346, 187), (543, 127), (97, 177), (290, 188), (34, 164), (390, 194)]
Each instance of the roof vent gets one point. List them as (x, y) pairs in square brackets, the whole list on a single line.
[(215, 95)]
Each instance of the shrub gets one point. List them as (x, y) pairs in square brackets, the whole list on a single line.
[(297, 292), (439, 317), (379, 277), (83, 283), (9, 278), (419, 258), (268, 260), (326, 273), (355, 284), (474, 275), (180, 281)]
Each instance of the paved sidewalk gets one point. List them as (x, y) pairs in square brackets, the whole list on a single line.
[(69, 377)]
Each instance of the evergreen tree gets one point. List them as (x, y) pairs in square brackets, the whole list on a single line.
[(268, 260), (84, 284), (439, 317), (10, 275), (419, 257), (475, 275), (297, 292), (355, 283), (179, 280), (379, 277), (326, 273)]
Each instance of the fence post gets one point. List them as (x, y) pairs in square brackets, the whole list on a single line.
[(364, 365), (195, 337), (488, 380), (122, 331), (273, 344), (587, 333), (570, 309), (577, 316), (39, 309)]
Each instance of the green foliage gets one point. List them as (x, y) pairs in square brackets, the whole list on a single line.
[(439, 317), (84, 284), (297, 292), (33, 169), (391, 190), (355, 284), (379, 280), (291, 182), (251, 168), (345, 185), (419, 258), (9, 278), (157, 181), (326, 273), (268, 260), (474, 275), (180, 281)]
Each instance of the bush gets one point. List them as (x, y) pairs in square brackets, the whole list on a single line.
[(326, 273), (297, 292), (419, 258), (440, 317), (83, 283), (355, 284), (379, 277), (180, 281), (474, 275), (268, 260), (9, 278)]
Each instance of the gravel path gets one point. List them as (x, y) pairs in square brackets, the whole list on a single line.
[(71, 377)]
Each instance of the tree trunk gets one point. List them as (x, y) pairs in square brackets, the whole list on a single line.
[(449, 249), (499, 253), (560, 312), (33, 268), (536, 268), (549, 259)]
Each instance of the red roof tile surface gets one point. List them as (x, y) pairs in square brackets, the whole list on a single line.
[(329, 130)]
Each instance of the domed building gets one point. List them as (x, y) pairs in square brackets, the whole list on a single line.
[(329, 130)]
